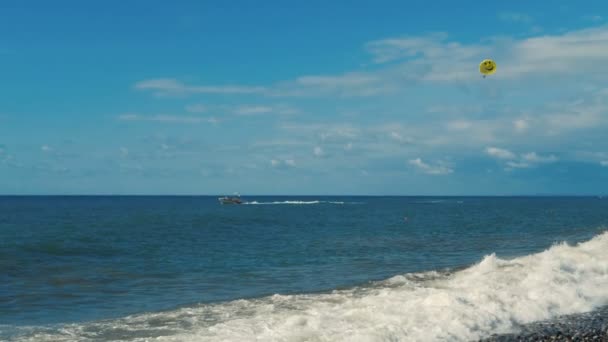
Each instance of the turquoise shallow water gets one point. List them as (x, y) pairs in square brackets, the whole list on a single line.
[(72, 260)]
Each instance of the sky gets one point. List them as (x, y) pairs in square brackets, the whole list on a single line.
[(303, 98)]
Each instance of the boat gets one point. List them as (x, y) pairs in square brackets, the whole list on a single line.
[(236, 199)]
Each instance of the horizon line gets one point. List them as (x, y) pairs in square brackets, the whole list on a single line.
[(298, 195)]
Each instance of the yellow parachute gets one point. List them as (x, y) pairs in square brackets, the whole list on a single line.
[(487, 67)]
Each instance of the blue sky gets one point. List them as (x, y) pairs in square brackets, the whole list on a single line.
[(341, 97)]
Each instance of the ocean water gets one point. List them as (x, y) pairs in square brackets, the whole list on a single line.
[(296, 268)]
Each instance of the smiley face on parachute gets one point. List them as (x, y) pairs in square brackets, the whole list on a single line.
[(487, 67)]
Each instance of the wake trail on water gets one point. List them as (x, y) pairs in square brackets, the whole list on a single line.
[(299, 202), (492, 296)]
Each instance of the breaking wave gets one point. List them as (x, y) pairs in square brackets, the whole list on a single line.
[(493, 296)]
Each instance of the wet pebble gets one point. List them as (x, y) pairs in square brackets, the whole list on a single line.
[(591, 326)]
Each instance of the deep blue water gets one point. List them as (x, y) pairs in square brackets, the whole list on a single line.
[(74, 259)]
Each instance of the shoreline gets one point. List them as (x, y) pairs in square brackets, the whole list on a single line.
[(589, 326)]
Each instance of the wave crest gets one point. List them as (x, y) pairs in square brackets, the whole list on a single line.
[(493, 296)]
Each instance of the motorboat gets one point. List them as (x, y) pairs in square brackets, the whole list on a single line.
[(236, 199)]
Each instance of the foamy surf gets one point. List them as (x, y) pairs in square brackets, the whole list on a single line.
[(492, 296)]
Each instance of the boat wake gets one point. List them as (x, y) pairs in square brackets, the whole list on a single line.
[(492, 296), (439, 202), (300, 202)]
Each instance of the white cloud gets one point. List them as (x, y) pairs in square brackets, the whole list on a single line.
[(518, 165), (168, 86), (282, 163), (500, 153), (348, 80), (500, 134), (521, 125), (394, 138), (167, 118), (459, 125), (279, 143), (455, 110), (164, 84), (252, 110), (129, 117), (535, 158), (525, 160), (382, 140), (573, 53), (340, 133), (570, 53), (387, 50), (432, 58), (465, 124), (345, 85), (318, 151), (569, 119), (604, 163), (439, 169), (576, 117), (398, 137), (46, 148), (464, 132)]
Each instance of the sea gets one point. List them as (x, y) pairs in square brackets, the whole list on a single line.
[(296, 268)]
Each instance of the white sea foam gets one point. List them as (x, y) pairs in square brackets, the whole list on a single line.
[(298, 202), (440, 201), (492, 296), (284, 202)]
